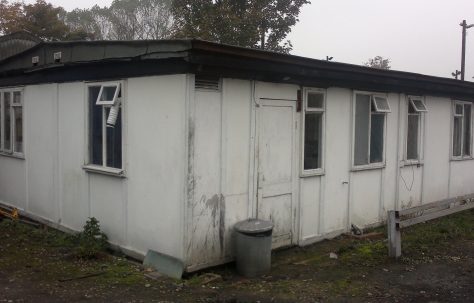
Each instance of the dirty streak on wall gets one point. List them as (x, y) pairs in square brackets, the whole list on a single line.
[(220, 164)]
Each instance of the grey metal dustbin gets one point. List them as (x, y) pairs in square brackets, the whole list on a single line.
[(253, 247)]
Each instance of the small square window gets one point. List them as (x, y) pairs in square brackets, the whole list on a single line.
[(418, 105), (16, 98), (458, 110), (380, 104), (108, 94), (315, 100)]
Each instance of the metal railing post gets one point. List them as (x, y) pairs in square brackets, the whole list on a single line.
[(393, 232)]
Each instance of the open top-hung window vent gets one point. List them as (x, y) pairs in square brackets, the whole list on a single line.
[(418, 104), (207, 83), (108, 94), (380, 104)]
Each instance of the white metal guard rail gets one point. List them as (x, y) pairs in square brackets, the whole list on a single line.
[(398, 219)]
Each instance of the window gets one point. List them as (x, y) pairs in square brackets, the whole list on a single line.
[(313, 130), (416, 109), (462, 130), (105, 125), (369, 128), (11, 121)]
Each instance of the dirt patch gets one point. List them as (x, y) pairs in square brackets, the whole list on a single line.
[(437, 266)]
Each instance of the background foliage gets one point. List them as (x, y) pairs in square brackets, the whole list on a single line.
[(263, 24)]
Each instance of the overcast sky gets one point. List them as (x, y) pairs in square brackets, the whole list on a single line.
[(421, 36)]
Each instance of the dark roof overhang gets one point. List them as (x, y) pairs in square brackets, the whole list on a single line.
[(97, 60)]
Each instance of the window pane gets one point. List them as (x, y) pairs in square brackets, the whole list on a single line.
[(467, 130), (17, 97), (114, 142), (108, 93), (315, 100), (381, 104), (420, 106), (458, 109), (7, 122), (95, 127), (376, 137), (18, 136), (412, 137), (411, 109), (312, 141), (361, 136), (457, 136)]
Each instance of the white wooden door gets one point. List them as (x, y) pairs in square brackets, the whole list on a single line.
[(275, 181)]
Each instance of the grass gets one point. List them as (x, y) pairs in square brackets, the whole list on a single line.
[(52, 253), (46, 256)]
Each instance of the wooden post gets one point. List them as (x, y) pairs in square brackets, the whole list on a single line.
[(393, 231)]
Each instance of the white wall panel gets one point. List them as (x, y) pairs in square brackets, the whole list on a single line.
[(267, 90), (13, 181), (309, 212), (42, 150), (208, 206), (236, 128), (337, 160), (462, 179), (236, 135), (155, 152), (389, 173), (73, 180), (410, 186), (365, 200), (107, 202), (437, 149)]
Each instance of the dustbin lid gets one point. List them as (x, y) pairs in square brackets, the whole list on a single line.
[(253, 226)]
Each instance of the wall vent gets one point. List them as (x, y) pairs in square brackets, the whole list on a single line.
[(207, 83), (35, 60), (57, 56)]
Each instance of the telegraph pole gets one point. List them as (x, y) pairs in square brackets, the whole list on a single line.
[(463, 51)]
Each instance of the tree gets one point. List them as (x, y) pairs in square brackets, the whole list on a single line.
[(262, 24), (124, 20), (41, 19), (10, 16), (378, 62), (83, 24), (140, 19)]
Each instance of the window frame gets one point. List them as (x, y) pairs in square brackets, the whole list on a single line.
[(421, 129), (313, 110), (412, 99), (112, 102), (12, 152), (453, 115), (104, 169), (375, 165), (376, 105)]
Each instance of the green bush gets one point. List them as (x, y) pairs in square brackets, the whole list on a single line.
[(91, 242)]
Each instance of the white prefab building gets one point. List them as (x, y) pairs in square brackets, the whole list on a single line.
[(170, 143)]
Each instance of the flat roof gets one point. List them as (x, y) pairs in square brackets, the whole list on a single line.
[(99, 60)]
